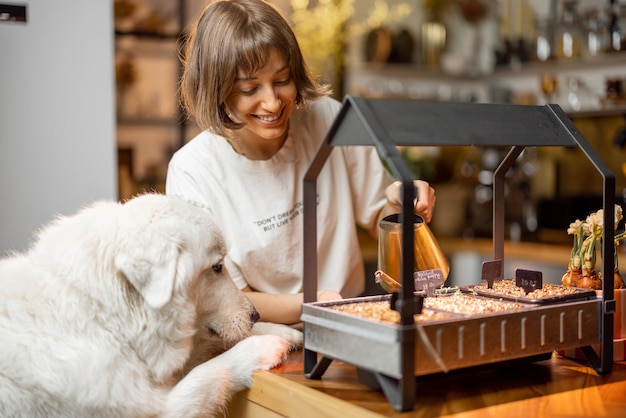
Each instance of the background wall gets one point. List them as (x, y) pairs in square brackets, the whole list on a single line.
[(57, 114)]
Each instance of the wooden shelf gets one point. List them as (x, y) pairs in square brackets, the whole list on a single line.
[(149, 122), (531, 68), (500, 86), (599, 113), (146, 34)]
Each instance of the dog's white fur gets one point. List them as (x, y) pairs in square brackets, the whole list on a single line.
[(100, 316)]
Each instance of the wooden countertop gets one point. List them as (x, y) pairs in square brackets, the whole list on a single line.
[(558, 387)]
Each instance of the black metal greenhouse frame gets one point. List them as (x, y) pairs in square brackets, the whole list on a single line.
[(387, 123)]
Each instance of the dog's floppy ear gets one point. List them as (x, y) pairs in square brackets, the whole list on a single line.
[(155, 282)]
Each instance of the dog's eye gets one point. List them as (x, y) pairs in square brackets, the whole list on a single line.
[(218, 267)]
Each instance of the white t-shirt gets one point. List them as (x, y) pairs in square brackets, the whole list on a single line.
[(258, 204)]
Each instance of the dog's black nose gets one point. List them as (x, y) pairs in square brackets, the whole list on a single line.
[(254, 316)]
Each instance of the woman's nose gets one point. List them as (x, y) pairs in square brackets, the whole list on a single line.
[(271, 99)]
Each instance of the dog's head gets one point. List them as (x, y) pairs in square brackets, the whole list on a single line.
[(154, 256), (174, 259)]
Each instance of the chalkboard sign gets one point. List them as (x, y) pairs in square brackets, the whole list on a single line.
[(428, 280), (491, 271), (528, 280)]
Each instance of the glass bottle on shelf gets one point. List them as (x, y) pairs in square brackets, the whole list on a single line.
[(615, 33), (594, 39), (568, 36), (544, 40)]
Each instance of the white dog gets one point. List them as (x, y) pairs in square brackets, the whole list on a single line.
[(98, 318)]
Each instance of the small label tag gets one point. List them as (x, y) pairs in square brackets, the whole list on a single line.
[(491, 271), (428, 280), (528, 280)]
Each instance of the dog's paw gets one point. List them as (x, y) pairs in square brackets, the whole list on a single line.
[(214, 381), (294, 336), (264, 352)]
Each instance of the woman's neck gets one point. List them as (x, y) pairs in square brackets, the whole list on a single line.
[(255, 148)]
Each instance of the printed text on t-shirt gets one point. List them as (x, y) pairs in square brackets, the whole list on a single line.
[(280, 219)]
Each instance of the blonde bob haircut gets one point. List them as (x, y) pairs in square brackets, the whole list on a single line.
[(232, 35)]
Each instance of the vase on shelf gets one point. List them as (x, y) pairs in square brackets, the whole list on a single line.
[(433, 42)]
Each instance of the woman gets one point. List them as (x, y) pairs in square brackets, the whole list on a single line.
[(263, 118)]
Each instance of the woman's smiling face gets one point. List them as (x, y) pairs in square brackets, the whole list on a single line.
[(263, 101)]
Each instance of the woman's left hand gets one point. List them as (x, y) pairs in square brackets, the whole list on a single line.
[(425, 203)]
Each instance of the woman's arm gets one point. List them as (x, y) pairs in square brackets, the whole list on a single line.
[(282, 308)]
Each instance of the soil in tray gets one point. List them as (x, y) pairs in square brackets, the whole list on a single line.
[(435, 308), (548, 293)]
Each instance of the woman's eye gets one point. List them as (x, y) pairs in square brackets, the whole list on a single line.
[(218, 267)]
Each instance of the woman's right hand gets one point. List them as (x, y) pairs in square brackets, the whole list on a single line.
[(425, 204)]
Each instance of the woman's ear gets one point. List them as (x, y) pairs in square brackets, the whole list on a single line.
[(225, 111), (229, 114)]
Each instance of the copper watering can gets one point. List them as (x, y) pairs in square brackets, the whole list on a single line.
[(429, 259)]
